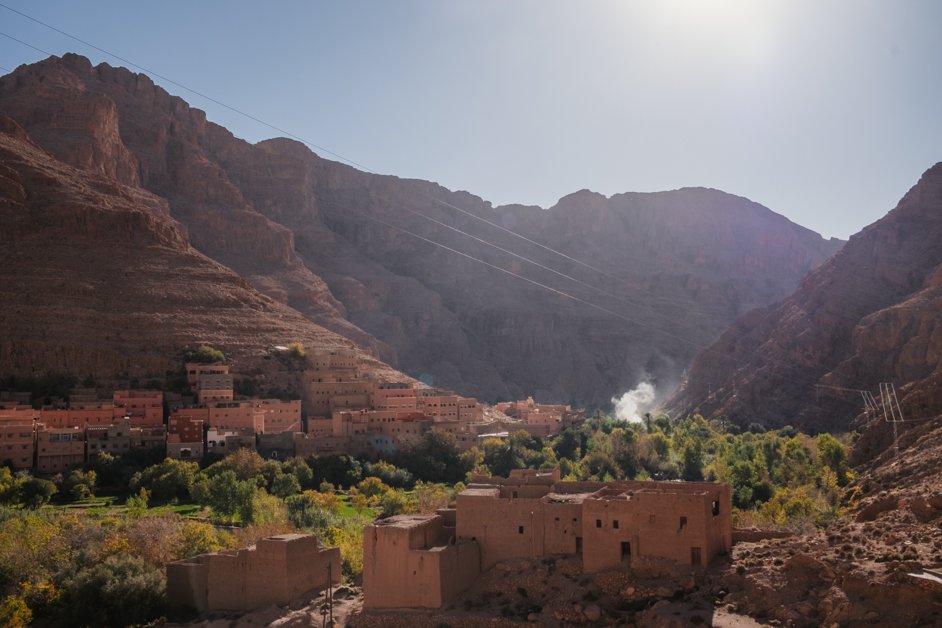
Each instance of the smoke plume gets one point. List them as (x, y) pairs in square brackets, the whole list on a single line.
[(634, 403)]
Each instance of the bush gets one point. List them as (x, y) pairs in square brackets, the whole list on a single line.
[(204, 354), (304, 512), (119, 591)]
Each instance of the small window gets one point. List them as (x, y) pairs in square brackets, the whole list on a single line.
[(519, 529), (615, 524), (716, 507), (598, 523), (683, 522), (557, 519)]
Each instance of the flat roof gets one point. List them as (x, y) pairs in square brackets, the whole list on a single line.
[(405, 521)]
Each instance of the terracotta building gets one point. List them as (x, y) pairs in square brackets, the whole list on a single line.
[(532, 514), (276, 570), (143, 407), (414, 561), (79, 415), (17, 441), (280, 416), (59, 449), (213, 387), (114, 439), (237, 415), (195, 370)]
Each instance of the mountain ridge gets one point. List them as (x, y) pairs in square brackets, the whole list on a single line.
[(291, 224)]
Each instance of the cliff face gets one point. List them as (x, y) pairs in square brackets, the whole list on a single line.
[(98, 279), (331, 242), (870, 314)]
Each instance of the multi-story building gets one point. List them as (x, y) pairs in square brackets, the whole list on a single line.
[(237, 415), (195, 370), (114, 439), (59, 449), (180, 450), (214, 387), (222, 441), (280, 416), (17, 442), (143, 407), (81, 415)]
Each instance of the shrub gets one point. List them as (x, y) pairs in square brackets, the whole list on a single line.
[(121, 590)]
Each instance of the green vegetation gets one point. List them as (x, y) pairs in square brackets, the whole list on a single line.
[(204, 354), (69, 556)]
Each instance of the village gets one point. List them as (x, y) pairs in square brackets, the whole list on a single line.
[(410, 560), (341, 413)]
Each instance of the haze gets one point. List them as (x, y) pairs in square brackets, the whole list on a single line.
[(824, 112)]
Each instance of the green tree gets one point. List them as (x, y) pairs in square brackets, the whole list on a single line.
[(299, 469), (79, 484), (305, 512), (204, 354), (227, 495), (33, 492), (285, 484), (435, 458), (566, 444), (167, 480), (120, 590)]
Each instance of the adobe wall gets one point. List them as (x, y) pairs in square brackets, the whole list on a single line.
[(226, 580), (676, 525), (459, 565), (503, 527), (410, 562), (393, 575), (275, 571), (187, 585)]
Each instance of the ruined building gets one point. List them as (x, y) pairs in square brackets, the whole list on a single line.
[(276, 570), (415, 561)]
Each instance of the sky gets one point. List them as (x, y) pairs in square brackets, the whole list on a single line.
[(825, 111)]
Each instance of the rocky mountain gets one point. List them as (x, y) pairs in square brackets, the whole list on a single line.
[(97, 278), (363, 255), (870, 314)]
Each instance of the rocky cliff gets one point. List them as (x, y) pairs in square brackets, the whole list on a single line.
[(98, 279), (668, 271), (870, 314)]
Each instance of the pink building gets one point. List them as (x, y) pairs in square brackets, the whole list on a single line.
[(143, 407)]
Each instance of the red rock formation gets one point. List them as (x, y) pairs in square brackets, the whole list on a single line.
[(679, 266), (868, 315), (97, 279)]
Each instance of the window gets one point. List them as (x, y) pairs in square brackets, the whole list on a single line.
[(716, 507), (519, 529), (683, 522), (598, 523), (615, 524)]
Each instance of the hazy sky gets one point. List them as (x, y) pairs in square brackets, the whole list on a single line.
[(824, 111)]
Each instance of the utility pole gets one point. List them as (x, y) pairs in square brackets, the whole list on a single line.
[(892, 413)]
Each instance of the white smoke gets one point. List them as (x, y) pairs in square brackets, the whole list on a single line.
[(634, 403)]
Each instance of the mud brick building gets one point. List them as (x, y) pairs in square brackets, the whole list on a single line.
[(276, 570), (422, 562)]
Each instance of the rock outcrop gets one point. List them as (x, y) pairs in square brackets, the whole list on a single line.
[(340, 246), (98, 279), (868, 315)]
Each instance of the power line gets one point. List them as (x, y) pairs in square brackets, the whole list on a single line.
[(300, 139), (20, 41), (470, 214)]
